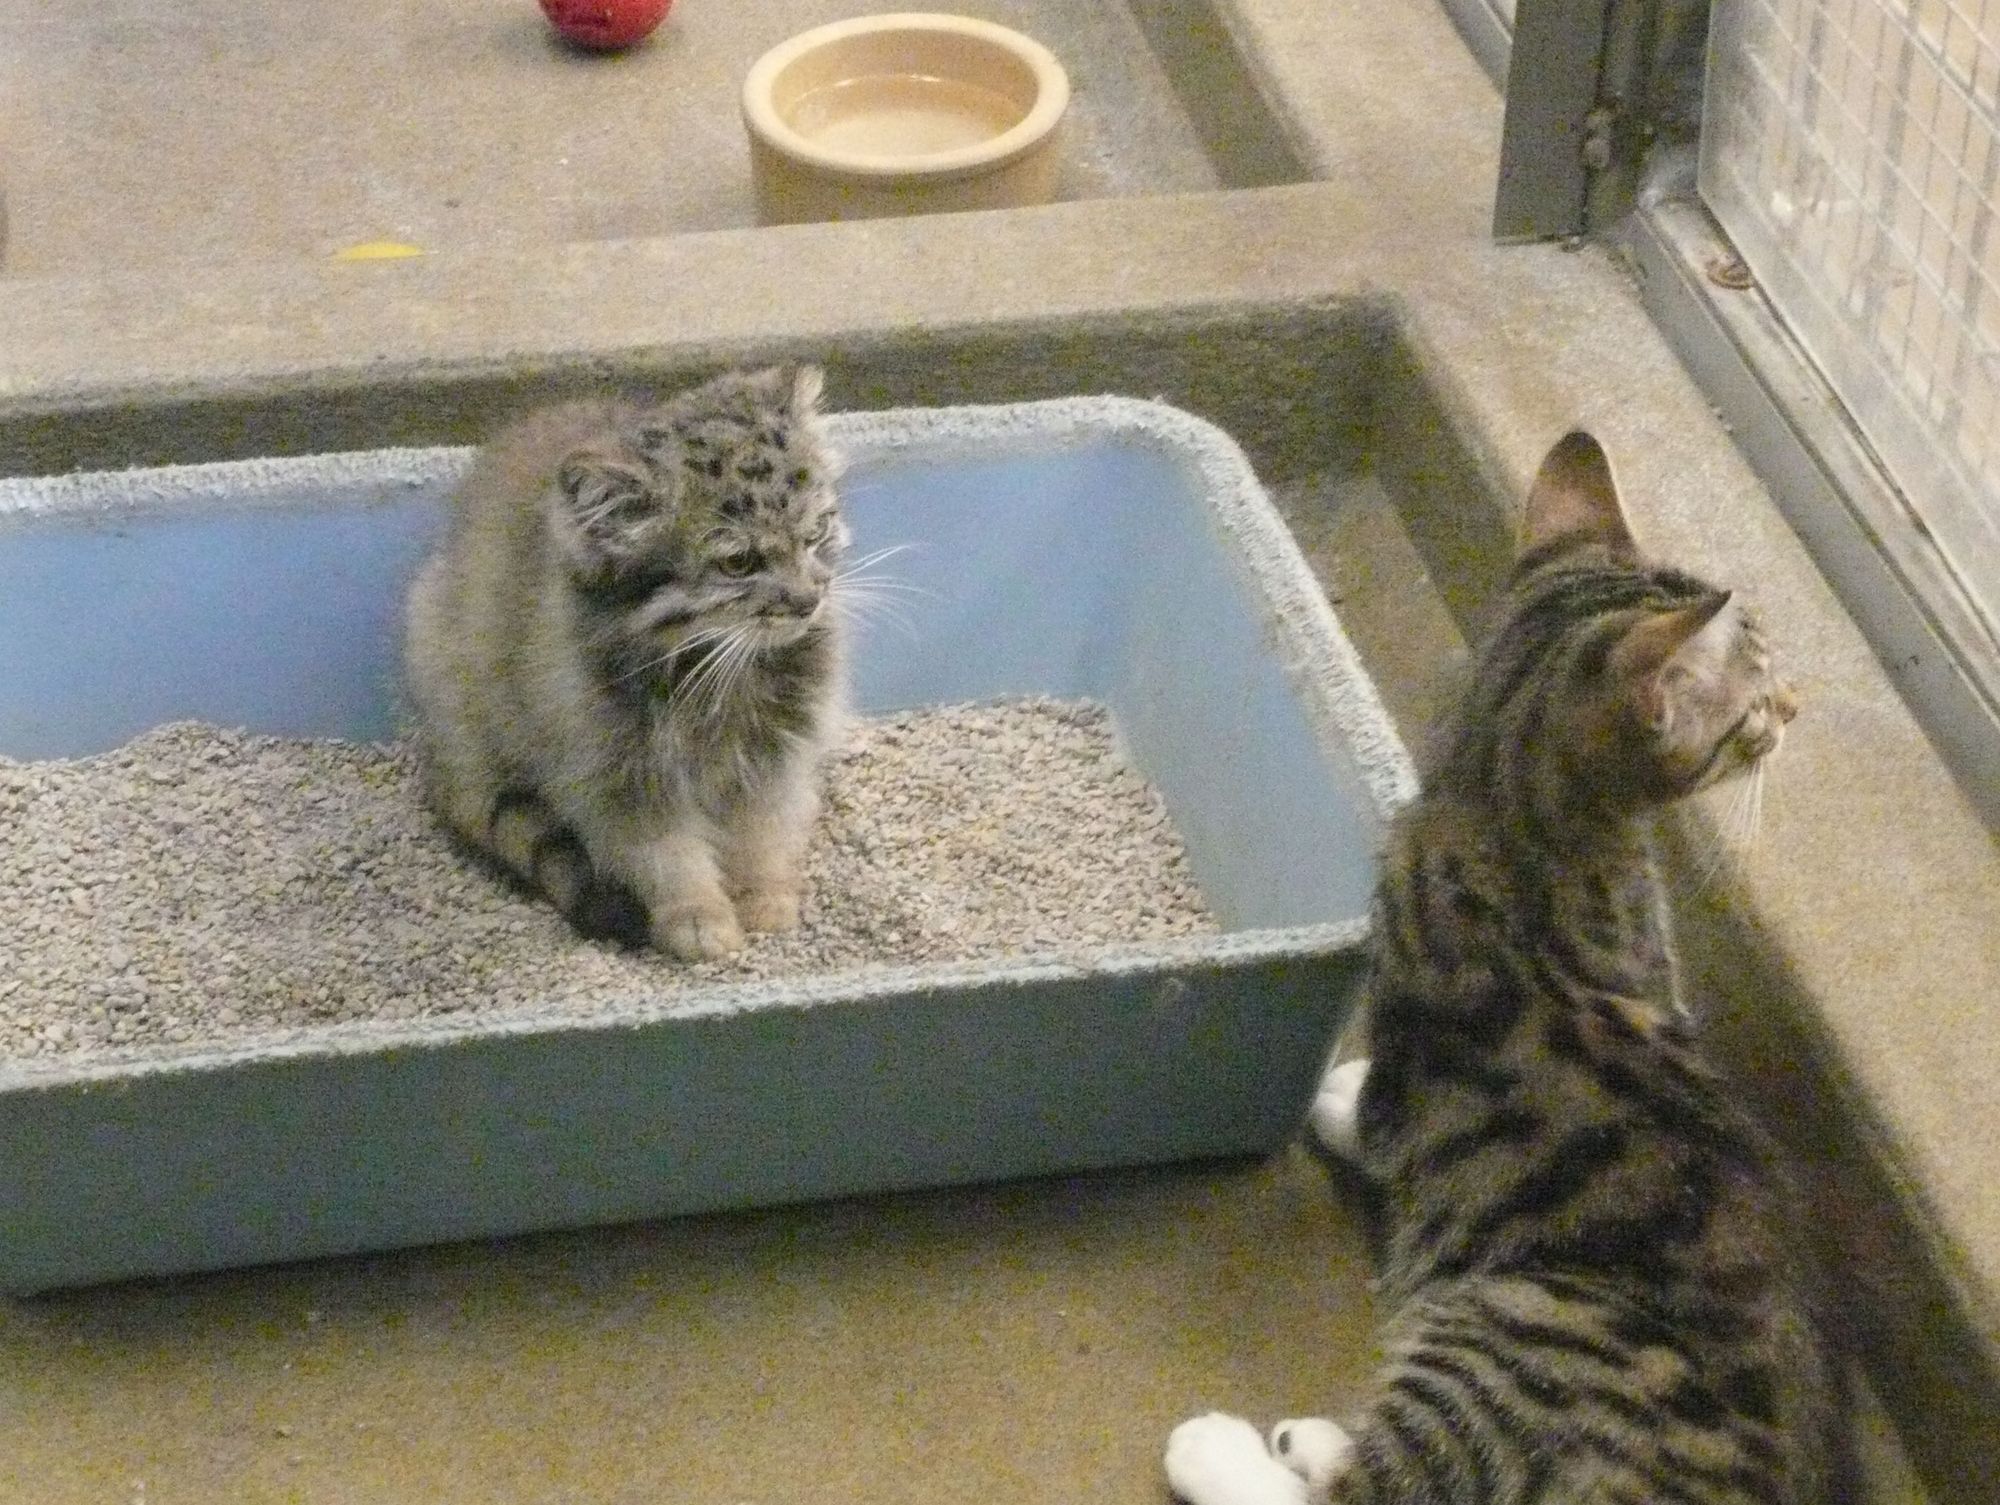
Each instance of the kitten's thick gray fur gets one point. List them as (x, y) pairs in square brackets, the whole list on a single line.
[(626, 659)]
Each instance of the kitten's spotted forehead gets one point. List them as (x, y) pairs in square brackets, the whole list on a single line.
[(753, 469), (752, 453)]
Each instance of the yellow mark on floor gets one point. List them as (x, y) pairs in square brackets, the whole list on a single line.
[(377, 250)]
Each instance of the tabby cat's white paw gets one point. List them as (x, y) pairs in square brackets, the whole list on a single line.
[(1312, 1447), (1221, 1460), (1336, 1112)]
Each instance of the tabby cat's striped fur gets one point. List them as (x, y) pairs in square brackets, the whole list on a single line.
[(1598, 1292)]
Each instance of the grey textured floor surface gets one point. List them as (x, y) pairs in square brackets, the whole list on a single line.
[(134, 134)]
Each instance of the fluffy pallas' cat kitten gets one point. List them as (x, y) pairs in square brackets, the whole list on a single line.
[(626, 661), (1597, 1290)]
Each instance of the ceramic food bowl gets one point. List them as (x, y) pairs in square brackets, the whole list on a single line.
[(903, 114)]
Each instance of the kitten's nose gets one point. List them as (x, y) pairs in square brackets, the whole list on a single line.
[(793, 602), (1785, 703)]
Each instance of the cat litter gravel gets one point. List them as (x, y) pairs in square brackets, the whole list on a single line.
[(200, 884)]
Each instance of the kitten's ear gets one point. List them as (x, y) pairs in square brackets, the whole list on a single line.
[(1663, 641), (1575, 495), (609, 503), (808, 382), (807, 385)]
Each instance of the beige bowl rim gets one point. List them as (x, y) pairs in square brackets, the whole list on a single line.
[(760, 115)]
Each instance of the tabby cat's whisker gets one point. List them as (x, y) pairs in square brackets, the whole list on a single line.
[(1733, 825), (1712, 855), (1746, 807), (1753, 816)]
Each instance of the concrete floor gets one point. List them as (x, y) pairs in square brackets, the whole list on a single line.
[(1020, 1343), (217, 132), (168, 282)]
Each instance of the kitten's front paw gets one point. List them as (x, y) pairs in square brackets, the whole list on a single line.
[(1312, 1447), (698, 935), (768, 910), (1336, 1112), (1221, 1460)]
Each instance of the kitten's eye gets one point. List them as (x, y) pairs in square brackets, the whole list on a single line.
[(738, 564), (821, 530)]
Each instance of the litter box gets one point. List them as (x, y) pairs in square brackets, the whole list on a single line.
[(1098, 548)]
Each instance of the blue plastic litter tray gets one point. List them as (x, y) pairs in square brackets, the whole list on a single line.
[(1103, 548)]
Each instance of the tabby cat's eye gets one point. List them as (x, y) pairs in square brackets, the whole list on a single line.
[(738, 564), (820, 530)]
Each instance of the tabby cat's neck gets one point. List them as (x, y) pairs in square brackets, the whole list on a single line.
[(1537, 799), (1531, 817), (1583, 897)]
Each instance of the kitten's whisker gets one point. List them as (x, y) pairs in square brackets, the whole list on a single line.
[(883, 583), (866, 588), (740, 665), (875, 558), (739, 657), (871, 591), (697, 638), (862, 610), (903, 625), (698, 683), (871, 594), (692, 641)]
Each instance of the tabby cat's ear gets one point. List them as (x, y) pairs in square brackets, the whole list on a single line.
[(1661, 642), (609, 504), (1575, 496)]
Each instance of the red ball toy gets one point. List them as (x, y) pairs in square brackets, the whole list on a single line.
[(605, 25)]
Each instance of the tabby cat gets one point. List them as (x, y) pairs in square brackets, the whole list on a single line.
[(626, 662), (1597, 1290)]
